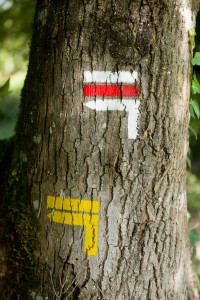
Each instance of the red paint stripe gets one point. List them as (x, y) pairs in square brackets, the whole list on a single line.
[(111, 90), (130, 90)]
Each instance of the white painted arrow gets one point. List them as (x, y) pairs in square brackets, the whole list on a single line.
[(131, 106)]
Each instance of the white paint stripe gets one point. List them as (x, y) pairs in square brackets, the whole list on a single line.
[(110, 77), (130, 106), (128, 77)]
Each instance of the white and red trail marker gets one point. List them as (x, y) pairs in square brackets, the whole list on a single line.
[(114, 91)]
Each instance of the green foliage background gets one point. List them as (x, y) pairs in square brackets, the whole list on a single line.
[(16, 18)]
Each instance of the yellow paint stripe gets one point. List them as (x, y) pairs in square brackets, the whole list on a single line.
[(73, 218), (91, 206), (90, 222)]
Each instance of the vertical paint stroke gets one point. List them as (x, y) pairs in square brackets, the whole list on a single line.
[(130, 106)]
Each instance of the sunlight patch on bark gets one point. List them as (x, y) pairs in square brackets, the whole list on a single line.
[(35, 296), (181, 102), (187, 14), (37, 138), (183, 200), (178, 280)]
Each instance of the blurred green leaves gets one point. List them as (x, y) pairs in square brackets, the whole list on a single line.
[(194, 237), (195, 85), (194, 99), (194, 108), (8, 111), (193, 192), (15, 31), (4, 89), (196, 59)]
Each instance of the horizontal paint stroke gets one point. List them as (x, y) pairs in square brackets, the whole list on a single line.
[(85, 215), (111, 90), (110, 77), (73, 204)]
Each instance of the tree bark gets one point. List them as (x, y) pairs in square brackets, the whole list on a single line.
[(128, 239)]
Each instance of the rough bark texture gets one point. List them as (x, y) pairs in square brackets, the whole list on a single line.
[(75, 152)]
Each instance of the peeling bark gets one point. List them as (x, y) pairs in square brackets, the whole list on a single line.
[(76, 152)]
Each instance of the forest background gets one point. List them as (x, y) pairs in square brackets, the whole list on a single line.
[(16, 18)]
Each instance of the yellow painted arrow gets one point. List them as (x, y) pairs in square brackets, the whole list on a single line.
[(80, 213)]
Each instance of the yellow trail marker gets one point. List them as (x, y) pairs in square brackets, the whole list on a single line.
[(73, 204), (83, 216)]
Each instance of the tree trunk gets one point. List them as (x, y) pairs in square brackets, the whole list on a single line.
[(103, 137)]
